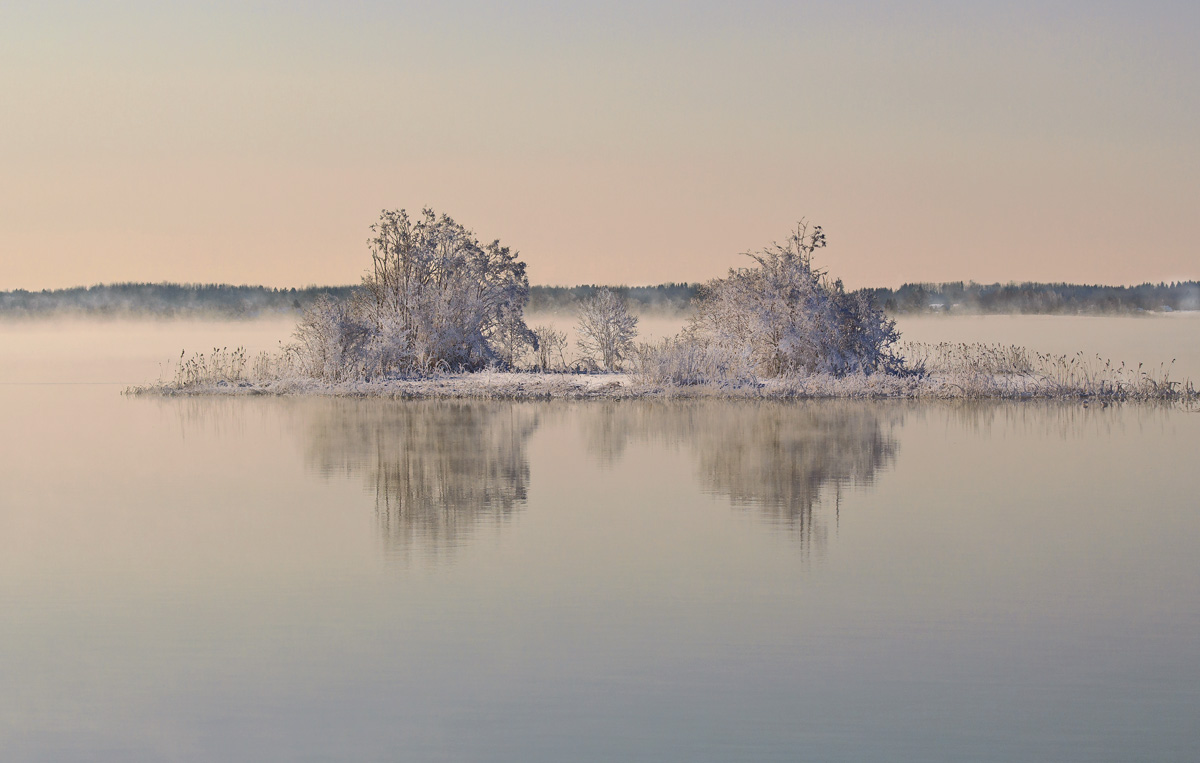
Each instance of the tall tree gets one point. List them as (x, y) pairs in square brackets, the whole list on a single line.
[(606, 329)]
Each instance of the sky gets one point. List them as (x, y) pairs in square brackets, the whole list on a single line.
[(614, 142)]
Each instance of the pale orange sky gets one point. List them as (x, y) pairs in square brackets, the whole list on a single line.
[(625, 143)]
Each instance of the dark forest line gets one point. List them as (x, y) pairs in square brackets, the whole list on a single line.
[(1039, 298), (171, 300)]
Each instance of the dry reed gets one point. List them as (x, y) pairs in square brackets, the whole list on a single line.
[(931, 371)]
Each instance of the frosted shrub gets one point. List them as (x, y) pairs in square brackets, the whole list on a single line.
[(435, 299), (450, 301), (550, 350), (606, 330), (684, 361), (512, 339), (786, 316), (332, 341)]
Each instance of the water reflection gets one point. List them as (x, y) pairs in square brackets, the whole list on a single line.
[(778, 458), (438, 469), (1062, 420)]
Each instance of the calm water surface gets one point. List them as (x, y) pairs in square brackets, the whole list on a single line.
[(308, 579)]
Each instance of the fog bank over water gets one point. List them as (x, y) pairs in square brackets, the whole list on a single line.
[(124, 351)]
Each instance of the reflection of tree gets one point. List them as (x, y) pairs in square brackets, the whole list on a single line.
[(438, 468), (776, 457), (1067, 420)]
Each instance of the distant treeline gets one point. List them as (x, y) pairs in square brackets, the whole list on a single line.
[(169, 300), (1039, 298), (666, 297), (166, 300)]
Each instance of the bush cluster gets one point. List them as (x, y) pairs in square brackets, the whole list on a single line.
[(436, 299), (780, 316)]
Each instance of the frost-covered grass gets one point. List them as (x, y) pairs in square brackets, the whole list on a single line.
[(942, 371), (224, 367), (1012, 371)]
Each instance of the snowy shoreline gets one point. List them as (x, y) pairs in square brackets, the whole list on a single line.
[(510, 385)]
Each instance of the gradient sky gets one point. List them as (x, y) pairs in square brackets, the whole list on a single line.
[(622, 142)]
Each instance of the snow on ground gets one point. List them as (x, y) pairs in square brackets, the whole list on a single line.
[(569, 386)]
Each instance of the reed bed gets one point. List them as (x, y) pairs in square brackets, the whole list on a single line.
[(1011, 371), (223, 367), (931, 371)]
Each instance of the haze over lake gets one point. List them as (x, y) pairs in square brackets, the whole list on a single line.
[(308, 578)]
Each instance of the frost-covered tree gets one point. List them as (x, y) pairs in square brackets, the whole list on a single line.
[(445, 298), (512, 338), (784, 315), (434, 298), (551, 348), (606, 330), (332, 341)]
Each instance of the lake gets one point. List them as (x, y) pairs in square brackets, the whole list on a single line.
[(315, 579)]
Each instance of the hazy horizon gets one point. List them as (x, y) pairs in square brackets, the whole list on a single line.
[(619, 143)]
